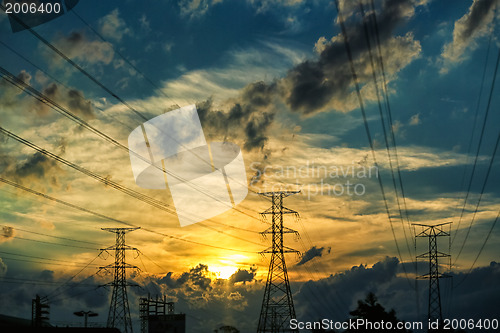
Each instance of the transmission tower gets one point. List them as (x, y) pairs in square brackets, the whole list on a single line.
[(433, 232), (277, 306), (119, 312)]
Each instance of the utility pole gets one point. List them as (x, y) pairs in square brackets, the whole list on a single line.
[(39, 312), (277, 306), (432, 232), (119, 312)]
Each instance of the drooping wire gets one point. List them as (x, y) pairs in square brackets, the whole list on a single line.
[(367, 129), (149, 200), (375, 82), (476, 113), (9, 77), (479, 143), (62, 202), (119, 99), (393, 137), (480, 250), (42, 234), (95, 80), (480, 195)]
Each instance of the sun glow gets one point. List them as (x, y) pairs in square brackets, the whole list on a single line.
[(227, 266), (223, 272)]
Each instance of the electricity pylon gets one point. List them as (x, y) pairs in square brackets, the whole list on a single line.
[(119, 312), (277, 306), (433, 232)]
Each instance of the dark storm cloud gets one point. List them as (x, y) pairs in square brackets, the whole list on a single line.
[(64, 296), (476, 295), (79, 105), (37, 166), (313, 84), (312, 253), (78, 46), (479, 10), (24, 77), (217, 302), (72, 99), (473, 297), (250, 117), (468, 28), (243, 275), (197, 278), (9, 92), (317, 84)]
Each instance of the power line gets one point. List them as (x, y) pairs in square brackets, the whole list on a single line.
[(40, 262), (106, 114), (36, 257), (367, 129), (45, 242), (9, 77), (142, 197), (480, 250), (92, 78), (57, 237), (122, 56), (480, 195), (479, 143), (374, 76), (5, 279), (54, 292), (388, 110), (478, 103), (62, 202)]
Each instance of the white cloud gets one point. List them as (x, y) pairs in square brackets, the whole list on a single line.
[(264, 5), (243, 66), (467, 30), (145, 24), (196, 8), (167, 47), (112, 26), (415, 119)]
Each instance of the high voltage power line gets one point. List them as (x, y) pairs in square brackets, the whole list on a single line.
[(147, 199), (488, 106), (367, 129), (9, 77), (65, 203), (12, 79), (374, 76), (476, 113), (388, 151), (100, 84)]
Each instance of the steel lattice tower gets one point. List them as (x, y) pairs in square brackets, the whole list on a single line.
[(433, 232), (119, 312), (277, 306)]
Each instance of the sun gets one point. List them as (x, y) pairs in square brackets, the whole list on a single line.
[(227, 266), (223, 272)]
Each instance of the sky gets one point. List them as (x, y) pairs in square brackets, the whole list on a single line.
[(274, 78)]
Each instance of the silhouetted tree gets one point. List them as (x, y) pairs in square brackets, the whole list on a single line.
[(372, 311)]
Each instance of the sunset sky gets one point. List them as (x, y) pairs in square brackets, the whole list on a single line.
[(273, 77)]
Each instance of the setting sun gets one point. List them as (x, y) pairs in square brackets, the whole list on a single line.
[(223, 272)]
